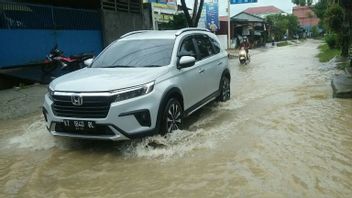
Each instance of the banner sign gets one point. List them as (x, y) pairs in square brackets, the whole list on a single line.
[(243, 1), (212, 15)]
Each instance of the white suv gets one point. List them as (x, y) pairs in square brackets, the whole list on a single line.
[(142, 84)]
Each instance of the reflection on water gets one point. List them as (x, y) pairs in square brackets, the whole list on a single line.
[(281, 134)]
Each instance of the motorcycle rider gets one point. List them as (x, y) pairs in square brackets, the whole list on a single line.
[(245, 45)]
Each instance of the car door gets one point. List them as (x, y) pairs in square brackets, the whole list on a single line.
[(218, 66), (208, 65), (190, 79)]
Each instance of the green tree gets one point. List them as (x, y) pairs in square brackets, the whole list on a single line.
[(336, 17), (197, 11), (293, 25), (303, 2), (315, 31), (281, 24), (319, 10)]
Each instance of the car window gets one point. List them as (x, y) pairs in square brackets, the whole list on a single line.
[(187, 48), (204, 46), (136, 53), (216, 45)]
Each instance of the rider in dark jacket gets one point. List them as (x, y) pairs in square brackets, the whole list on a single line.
[(245, 44)]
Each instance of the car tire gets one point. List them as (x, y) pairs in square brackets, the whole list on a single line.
[(225, 89), (171, 118)]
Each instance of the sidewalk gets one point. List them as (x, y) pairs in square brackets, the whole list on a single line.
[(18, 102), (342, 84)]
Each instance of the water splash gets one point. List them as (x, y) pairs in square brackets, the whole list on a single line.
[(35, 137), (175, 144)]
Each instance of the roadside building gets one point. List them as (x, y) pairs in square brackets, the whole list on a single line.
[(243, 25), (29, 29), (263, 11), (306, 17)]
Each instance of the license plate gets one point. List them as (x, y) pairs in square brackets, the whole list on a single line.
[(79, 124)]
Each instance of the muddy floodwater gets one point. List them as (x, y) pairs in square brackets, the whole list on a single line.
[(281, 135)]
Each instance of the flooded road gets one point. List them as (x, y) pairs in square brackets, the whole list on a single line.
[(280, 135)]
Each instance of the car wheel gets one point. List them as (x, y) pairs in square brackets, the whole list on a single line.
[(172, 116), (225, 89)]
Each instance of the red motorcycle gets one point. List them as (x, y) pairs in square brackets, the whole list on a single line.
[(56, 60)]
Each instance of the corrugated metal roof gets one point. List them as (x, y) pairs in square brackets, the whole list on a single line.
[(263, 10), (243, 16)]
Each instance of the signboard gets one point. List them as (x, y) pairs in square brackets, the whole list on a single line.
[(212, 15), (242, 1), (162, 13)]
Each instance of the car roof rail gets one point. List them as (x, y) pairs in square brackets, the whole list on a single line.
[(190, 29), (134, 32)]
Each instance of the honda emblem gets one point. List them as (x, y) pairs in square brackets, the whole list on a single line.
[(77, 100)]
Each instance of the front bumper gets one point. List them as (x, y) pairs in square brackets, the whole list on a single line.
[(123, 121)]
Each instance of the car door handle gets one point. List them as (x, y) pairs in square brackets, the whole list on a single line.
[(201, 71), (220, 63)]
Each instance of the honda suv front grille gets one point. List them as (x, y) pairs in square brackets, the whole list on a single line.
[(86, 107)]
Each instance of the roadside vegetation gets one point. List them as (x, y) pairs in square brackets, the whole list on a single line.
[(283, 43), (343, 65), (336, 21), (326, 53), (283, 26)]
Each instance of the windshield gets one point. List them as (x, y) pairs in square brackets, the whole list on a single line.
[(136, 53)]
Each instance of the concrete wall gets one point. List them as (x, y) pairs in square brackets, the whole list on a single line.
[(115, 24), (223, 40)]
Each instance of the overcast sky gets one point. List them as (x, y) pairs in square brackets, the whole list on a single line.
[(284, 5)]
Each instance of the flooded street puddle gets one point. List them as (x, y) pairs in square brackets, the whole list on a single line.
[(280, 135)]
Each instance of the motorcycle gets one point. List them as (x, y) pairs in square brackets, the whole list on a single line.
[(56, 59), (243, 57)]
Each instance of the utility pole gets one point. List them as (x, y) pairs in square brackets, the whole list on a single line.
[(228, 24)]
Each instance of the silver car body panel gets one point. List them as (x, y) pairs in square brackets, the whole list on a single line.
[(195, 83)]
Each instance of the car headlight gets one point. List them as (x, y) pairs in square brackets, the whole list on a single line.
[(51, 93), (132, 92)]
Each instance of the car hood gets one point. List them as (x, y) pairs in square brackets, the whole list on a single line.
[(105, 79)]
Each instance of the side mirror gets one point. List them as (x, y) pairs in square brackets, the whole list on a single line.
[(186, 61), (88, 62)]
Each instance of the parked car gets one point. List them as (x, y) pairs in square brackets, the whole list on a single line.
[(142, 84)]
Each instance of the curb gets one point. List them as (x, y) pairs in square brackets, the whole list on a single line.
[(348, 71)]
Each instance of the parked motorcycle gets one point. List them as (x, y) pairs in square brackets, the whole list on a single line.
[(56, 59), (243, 57)]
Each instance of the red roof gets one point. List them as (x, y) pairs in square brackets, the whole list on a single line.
[(263, 10), (302, 11), (305, 15)]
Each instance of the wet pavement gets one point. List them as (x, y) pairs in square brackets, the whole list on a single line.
[(281, 135)]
